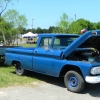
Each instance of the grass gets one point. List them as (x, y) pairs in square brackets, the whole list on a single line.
[(9, 78), (27, 45)]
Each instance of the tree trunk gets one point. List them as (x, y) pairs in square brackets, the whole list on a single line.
[(17, 39), (4, 38)]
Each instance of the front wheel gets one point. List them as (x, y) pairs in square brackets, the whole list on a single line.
[(19, 69), (74, 81)]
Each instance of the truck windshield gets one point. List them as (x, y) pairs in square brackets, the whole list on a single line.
[(61, 42)]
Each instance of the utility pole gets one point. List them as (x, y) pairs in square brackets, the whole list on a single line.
[(32, 24), (75, 17)]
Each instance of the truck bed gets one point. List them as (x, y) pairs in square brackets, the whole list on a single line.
[(20, 50), (3, 50)]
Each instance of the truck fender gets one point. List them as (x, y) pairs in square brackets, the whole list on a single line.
[(67, 68)]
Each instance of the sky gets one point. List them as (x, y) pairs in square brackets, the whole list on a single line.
[(47, 13)]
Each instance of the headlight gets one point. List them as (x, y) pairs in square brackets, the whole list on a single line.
[(95, 70)]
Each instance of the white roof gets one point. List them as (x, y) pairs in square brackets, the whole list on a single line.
[(29, 34)]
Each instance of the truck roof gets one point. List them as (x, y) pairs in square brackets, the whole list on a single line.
[(55, 34)]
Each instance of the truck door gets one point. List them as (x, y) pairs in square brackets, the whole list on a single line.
[(43, 57)]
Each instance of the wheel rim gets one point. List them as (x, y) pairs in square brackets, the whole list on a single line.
[(73, 81), (19, 69)]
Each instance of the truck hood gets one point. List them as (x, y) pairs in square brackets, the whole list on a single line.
[(90, 39)]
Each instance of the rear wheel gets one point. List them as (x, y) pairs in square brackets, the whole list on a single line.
[(74, 81), (19, 69)]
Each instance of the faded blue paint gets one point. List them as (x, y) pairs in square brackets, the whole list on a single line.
[(50, 61)]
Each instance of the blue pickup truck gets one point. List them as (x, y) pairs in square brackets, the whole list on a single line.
[(74, 57)]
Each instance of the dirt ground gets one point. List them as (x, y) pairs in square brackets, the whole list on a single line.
[(49, 88)]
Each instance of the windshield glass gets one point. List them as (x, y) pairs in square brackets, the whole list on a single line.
[(61, 42)]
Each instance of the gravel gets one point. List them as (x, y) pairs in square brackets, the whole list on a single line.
[(49, 89)]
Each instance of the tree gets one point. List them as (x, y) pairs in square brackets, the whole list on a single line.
[(6, 30), (45, 30), (5, 3), (98, 25), (78, 25), (51, 28), (15, 18), (63, 24), (3, 28), (18, 21), (11, 36), (3, 7), (74, 28), (39, 30)]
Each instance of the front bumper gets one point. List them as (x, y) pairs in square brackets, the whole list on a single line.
[(92, 79)]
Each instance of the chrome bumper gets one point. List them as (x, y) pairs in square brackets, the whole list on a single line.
[(92, 79)]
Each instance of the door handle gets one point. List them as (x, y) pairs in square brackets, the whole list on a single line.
[(35, 51)]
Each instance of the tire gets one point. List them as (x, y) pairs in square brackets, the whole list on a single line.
[(74, 81), (19, 69)]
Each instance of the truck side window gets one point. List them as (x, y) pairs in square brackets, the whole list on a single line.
[(45, 43), (56, 43)]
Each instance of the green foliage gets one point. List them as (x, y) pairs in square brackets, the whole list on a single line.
[(4, 29), (98, 25), (15, 18), (3, 7), (7, 32), (63, 24), (74, 27), (39, 30), (51, 28), (17, 23), (44, 30), (21, 21), (78, 25), (11, 16)]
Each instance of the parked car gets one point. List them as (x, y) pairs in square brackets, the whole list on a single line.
[(31, 40)]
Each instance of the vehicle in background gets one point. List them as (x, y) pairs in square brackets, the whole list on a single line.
[(31, 40)]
